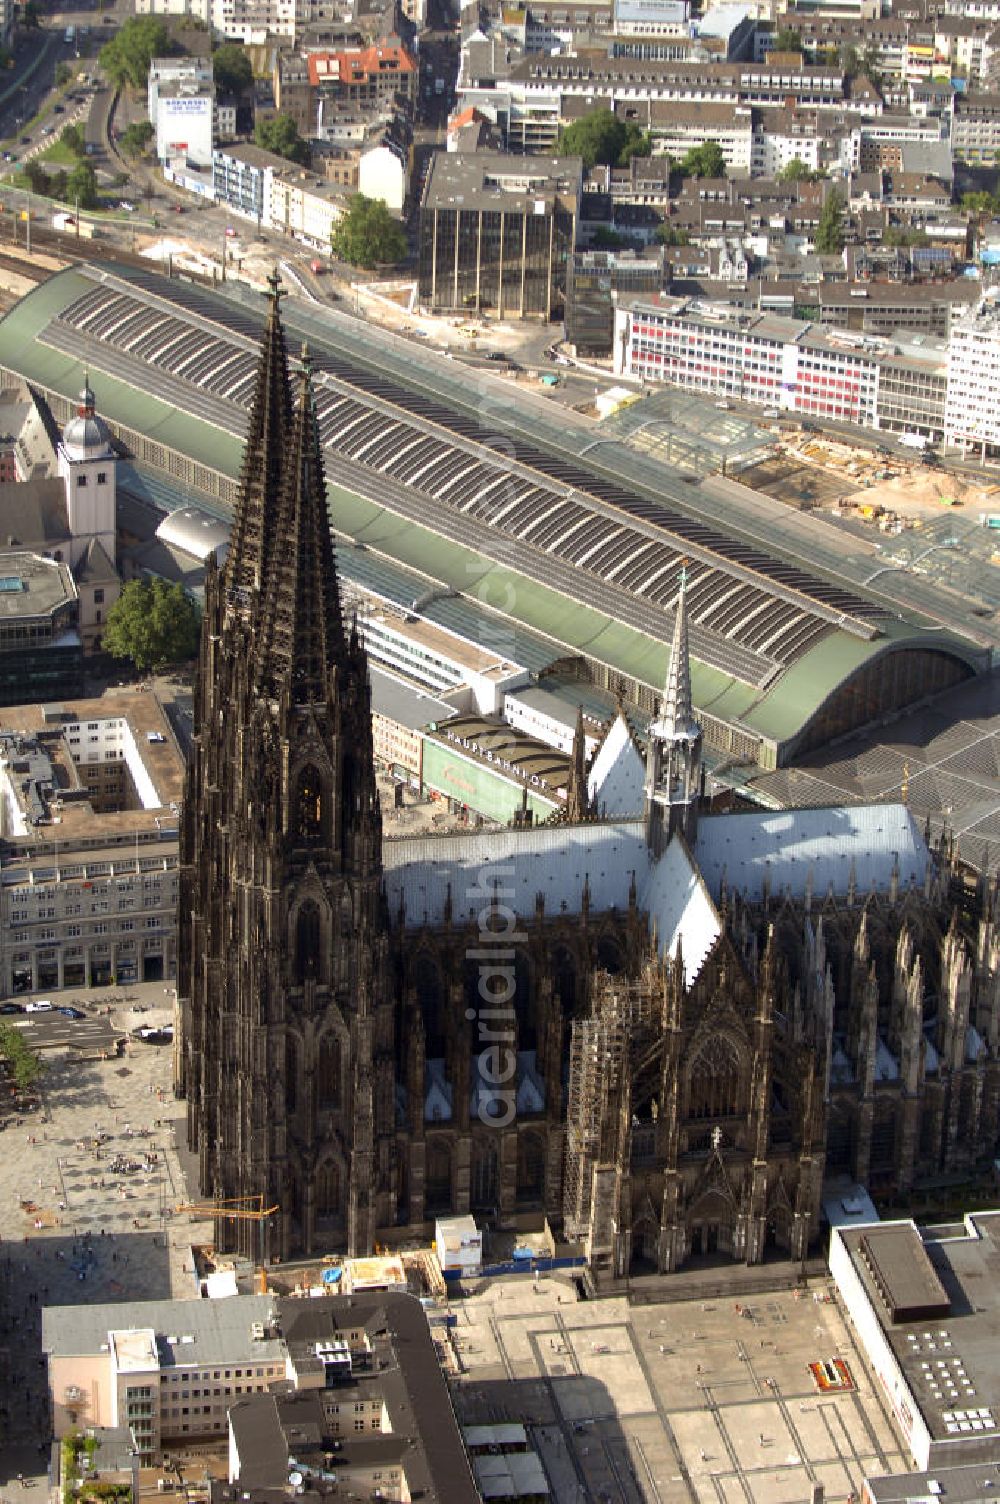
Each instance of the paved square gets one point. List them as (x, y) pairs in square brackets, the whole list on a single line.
[(693, 1400)]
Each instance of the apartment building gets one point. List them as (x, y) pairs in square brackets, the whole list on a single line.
[(89, 800), (972, 413), (784, 364), (304, 206), (365, 76), (975, 128), (241, 180)]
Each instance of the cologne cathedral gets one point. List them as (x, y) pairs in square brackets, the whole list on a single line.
[(659, 1028)]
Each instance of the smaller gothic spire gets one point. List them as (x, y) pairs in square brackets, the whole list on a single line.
[(578, 804), (677, 718)]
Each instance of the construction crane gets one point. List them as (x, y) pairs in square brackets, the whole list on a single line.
[(237, 1209)]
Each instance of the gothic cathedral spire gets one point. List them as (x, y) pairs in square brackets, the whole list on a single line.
[(286, 1015), (267, 430), (302, 626), (673, 757)]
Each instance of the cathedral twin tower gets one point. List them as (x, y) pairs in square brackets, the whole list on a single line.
[(286, 1038)]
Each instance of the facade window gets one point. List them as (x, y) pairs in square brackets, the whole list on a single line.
[(99, 593), (81, 481), (102, 477)]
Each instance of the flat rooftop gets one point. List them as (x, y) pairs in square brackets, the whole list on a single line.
[(489, 180), (32, 586), (153, 750), (951, 1362)]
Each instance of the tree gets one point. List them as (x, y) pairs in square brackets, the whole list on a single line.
[(796, 171), (830, 229), (280, 134), (903, 236), (24, 1064), (788, 40), (81, 185), (367, 235), (232, 69), (604, 239), (671, 235), (600, 137), (38, 179), (136, 137), (849, 60), (72, 138), (29, 15), (980, 203), (704, 161), (126, 58), (153, 623), (63, 74)]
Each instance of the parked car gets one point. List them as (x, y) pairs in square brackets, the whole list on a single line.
[(42, 1005), (151, 1035), (8, 1008), (71, 1012)]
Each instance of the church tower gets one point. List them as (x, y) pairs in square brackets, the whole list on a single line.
[(86, 461), (673, 758), (287, 1033)]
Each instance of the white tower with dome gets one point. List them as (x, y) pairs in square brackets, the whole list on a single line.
[(87, 467)]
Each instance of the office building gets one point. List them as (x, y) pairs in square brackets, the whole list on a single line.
[(90, 794), (41, 651), (496, 232), (786, 365)]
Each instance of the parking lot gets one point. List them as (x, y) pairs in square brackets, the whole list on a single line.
[(684, 1401)]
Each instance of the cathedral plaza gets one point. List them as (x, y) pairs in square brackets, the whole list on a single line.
[(702, 1398)]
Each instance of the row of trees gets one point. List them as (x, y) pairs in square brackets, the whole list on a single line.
[(78, 185), (601, 138), (126, 58)]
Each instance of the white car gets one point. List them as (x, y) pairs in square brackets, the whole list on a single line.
[(41, 1006), (128, 208)]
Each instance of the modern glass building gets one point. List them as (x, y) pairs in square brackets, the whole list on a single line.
[(496, 233)]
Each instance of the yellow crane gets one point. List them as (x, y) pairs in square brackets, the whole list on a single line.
[(237, 1209)]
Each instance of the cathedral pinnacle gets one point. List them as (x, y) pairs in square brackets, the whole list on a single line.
[(260, 478), (302, 629), (677, 719)]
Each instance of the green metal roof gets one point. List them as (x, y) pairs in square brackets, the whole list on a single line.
[(777, 713)]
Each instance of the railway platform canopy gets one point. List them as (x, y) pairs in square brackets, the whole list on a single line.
[(498, 503)]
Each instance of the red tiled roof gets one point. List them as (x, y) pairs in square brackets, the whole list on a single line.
[(355, 64)]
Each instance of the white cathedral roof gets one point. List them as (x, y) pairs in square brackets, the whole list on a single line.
[(791, 848), (553, 860), (617, 776), (797, 848)]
